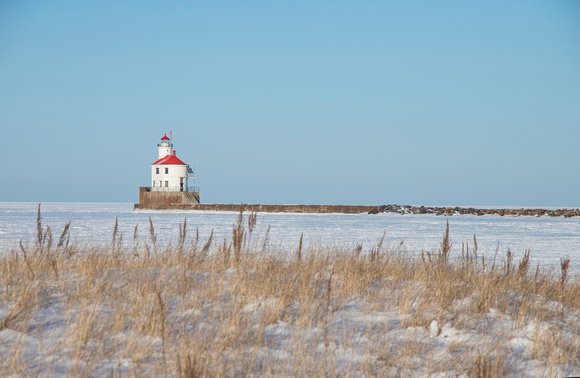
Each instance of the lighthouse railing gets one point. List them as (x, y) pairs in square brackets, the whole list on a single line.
[(175, 189)]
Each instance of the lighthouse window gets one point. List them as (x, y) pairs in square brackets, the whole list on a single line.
[(153, 183), (166, 184), (166, 170), (157, 170)]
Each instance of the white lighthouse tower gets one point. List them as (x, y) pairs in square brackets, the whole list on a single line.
[(165, 147)]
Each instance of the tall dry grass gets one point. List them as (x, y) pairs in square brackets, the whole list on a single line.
[(238, 306)]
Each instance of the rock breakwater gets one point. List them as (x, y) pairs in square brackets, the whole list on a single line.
[(406, 209)]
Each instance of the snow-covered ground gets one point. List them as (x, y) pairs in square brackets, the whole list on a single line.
[(400, 329), (356, 338), (549, 239)]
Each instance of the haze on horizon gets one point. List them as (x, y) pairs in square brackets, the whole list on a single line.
[(420, 103)]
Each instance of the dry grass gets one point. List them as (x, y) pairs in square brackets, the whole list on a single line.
[(207, 308)]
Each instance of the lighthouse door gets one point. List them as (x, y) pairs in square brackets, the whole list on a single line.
[(181, 183)]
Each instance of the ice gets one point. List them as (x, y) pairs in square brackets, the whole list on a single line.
[(357, 327), (550, 239)]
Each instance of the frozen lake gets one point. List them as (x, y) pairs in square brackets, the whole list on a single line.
[(549, 239)]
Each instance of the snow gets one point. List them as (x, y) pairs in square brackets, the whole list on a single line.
[(365, 331), (355, 329), (549, 238)]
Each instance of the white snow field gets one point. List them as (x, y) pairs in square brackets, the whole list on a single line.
[(549, 239), (392, 330)]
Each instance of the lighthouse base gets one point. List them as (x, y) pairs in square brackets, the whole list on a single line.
[(148, 197)]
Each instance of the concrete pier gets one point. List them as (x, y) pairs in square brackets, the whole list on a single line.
[(322, 209)]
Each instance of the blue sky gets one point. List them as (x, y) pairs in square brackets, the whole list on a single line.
[(327, 102)]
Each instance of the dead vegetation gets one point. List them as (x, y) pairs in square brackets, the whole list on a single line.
[(238, 306)]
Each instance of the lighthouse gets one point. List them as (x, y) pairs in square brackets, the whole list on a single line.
[(169, 173), (169, 179)]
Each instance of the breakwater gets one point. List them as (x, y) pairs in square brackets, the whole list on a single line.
[(406, 209), (322, 209), (358, 209)]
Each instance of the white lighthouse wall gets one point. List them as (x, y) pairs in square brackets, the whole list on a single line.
[(173, 178), (164, 151)]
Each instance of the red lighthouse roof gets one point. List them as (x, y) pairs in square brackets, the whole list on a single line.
[(169, 160), (165, 137)]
